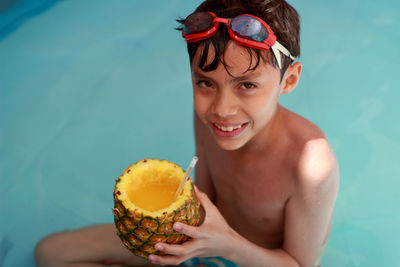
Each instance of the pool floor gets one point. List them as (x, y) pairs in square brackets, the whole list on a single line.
[(89, 87)]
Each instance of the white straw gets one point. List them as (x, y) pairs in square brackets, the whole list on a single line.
[(186, 177)]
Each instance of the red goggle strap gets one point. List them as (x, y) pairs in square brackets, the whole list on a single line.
[(195, 37)]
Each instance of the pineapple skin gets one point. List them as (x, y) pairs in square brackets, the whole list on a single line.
[(139, 232)]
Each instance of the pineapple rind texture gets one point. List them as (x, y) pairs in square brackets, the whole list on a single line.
[(139, 230)]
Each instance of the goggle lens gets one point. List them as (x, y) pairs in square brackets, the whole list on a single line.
[(198, 22), (250, 28)]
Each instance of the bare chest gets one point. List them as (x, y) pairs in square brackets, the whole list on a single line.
[(251, 195)]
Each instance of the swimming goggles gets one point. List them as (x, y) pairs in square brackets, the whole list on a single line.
[(246, 30)]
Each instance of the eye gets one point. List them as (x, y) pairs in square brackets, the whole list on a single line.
[(248, 86), (204, 84)]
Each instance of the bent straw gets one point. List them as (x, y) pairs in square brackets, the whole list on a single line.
[(186, 177)]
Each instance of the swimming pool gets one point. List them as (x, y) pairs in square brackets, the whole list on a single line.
[(89, 87)]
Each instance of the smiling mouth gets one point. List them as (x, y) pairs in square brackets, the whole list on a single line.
[(227, 128), (228, 131)]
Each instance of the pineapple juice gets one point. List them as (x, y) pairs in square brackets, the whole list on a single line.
[(153, 196)]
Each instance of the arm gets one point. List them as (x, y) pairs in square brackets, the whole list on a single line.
[(310, 210)]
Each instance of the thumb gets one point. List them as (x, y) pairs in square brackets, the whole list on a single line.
[(204, 199)]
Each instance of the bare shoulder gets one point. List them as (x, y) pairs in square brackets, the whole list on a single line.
[(316, 163)]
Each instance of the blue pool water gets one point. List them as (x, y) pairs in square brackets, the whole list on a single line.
[(90, 87)]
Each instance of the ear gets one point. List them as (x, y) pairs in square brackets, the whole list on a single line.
[(291, 78)]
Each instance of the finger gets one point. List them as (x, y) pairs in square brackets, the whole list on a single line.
[(176, 250), (188, 230), (188, 248)]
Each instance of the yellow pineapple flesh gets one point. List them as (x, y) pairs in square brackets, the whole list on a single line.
[(145, 207)]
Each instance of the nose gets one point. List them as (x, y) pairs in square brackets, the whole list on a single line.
[(225, 104)]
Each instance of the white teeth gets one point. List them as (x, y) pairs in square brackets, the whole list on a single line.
[(228, 128)]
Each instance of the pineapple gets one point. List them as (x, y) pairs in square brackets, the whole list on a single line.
[(145, 209)]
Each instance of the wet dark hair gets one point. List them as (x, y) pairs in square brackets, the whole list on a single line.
[(278, 14)]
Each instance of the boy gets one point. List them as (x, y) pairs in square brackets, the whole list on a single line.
[(269, 176)]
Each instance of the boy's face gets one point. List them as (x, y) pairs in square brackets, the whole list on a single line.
[(235, 108)]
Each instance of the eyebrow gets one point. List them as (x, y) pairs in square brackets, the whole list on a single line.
[(199, 75), (250, 76)]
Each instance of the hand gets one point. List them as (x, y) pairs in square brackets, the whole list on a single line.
[(213, 238)]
